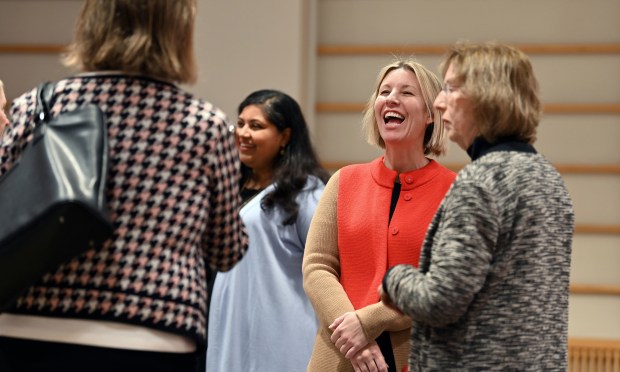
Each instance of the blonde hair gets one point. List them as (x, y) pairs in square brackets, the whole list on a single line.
[(147, 37), (499, 80), (430, 85)]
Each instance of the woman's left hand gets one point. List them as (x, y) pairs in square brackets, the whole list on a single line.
[(369, 359), (348, 335)]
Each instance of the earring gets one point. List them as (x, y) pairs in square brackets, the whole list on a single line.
[(282, 150)]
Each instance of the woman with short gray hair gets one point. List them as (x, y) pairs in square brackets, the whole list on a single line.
[(491, 290)]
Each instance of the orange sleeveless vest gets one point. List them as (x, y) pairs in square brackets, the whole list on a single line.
[(367, 245)]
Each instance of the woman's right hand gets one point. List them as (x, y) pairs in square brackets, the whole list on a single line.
[(348, 335), (369, 359)]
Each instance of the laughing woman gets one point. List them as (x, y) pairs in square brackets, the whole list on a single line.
[(373, 216), (260, 318)]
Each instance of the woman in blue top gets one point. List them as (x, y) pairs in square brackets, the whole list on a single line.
[(260, 318)]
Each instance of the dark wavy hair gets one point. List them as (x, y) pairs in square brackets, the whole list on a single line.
[(299, 160)]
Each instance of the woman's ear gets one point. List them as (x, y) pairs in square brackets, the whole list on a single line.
[(286, 137), (429, 118)]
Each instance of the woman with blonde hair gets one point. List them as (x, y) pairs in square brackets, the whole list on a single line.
[(138, 303), (371, 217)]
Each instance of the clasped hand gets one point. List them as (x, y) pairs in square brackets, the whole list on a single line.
[(348, 336)]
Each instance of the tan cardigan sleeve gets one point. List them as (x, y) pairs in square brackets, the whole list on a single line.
[(377, 318), (321, 272), (321, 263)]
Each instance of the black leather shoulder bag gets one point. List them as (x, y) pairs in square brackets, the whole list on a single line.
[(52, 201)]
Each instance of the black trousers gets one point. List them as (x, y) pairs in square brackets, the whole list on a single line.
[(20, 355), (385, 344)]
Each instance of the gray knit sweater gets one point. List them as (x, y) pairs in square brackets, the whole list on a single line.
[(491, 291)]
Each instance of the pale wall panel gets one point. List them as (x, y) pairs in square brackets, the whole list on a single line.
[(594, 316), (352, 78), (454, 154), (248, 45), (34, 22), (578, 78), (340, 138), (570, 139), (596, 198), (38, 21), (446, 21), (562, 79), (596, 259), (580, 139), (23, 72)]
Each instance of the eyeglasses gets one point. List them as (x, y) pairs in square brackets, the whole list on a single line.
[(449, 88)]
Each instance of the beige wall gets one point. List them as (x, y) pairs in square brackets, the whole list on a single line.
[(245, 45), (34, 22)]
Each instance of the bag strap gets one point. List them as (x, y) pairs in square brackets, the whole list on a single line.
[(45, 92)]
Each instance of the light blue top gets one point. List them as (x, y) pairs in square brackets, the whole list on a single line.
[(260, 318)]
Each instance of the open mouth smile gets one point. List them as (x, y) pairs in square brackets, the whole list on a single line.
[(393, 118)]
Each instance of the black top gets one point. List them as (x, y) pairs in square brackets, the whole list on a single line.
[(481, 147)]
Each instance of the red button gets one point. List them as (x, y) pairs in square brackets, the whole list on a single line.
[(407, 197), (409, 179), (394, 231)]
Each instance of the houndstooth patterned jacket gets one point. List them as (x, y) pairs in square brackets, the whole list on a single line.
[(173, 195)]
